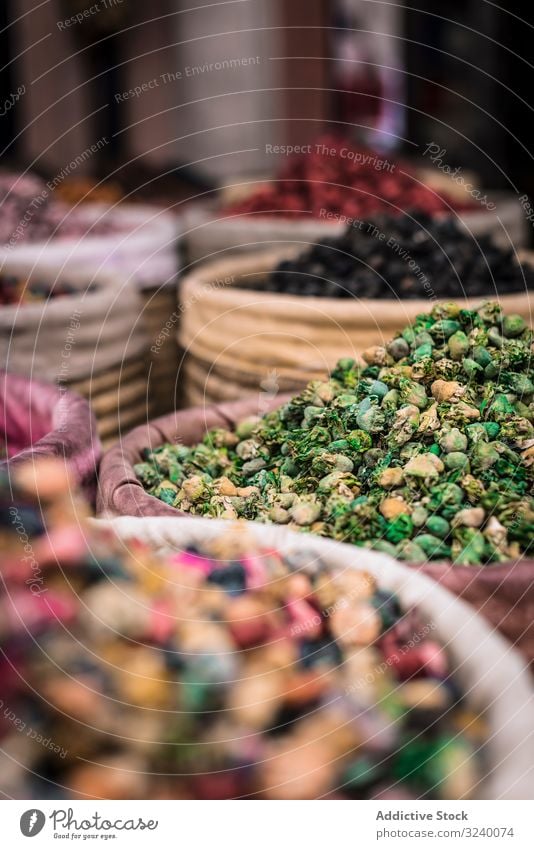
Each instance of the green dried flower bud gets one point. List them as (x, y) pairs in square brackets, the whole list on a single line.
[(408, 334), (344, 365), (251, 467), (312, 414), (370, 417), (147, 474), (446, 495), (245, 428), (390, 478), (495, 338), (290, 468), (447, 369), (390, 401), (166, 492), (359, 440), (221, 438), (491, 371), (446, 310), (278, 515), (433, 547), (490, 312), (453, 392), (411, 552), (426, 466), (469, 547), (473, 488), (423, 338), (305, 513), (520, 384), (481, 356), (453, 440), (471, 368), (419, 516), (422, 352), (456, 460), (383, 546), (195, 489), (476, 432), (484, 455), (324, 392), (248, 449), (438, 526), (513, 325), (344, 401), (373, 457), (444, 328), (376, 355), (469, 517), (376, 389), (501, 408), (492, 429), (413, 393), (398, 348), (458, 345)]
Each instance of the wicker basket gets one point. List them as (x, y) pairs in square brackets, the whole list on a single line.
[(141, 249), (160, 318), (92, 341)]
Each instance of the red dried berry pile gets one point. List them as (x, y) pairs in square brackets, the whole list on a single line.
[(345, 180)]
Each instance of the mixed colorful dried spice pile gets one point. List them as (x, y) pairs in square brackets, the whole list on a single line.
[(335, 177), (426, 453), (401, 257), (19, 289), (218, 672), (32, 213)]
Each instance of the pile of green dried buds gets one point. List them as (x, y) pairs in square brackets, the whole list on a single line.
[(425, 453)]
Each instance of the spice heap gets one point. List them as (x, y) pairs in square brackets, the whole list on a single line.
[(334, 177), (16, 289), (74, 190), (426, 453), (21, 195), (394, 257), (31, 213), (220, 672)]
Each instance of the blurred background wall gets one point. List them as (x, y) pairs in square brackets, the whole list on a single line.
[(288, 70)]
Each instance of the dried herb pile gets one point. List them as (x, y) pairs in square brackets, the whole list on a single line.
[(425, 453)]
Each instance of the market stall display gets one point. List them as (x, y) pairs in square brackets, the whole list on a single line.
[(237, 665), (331, 181), (268, 318)]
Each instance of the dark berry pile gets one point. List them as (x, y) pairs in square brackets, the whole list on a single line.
[(392, 257)]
